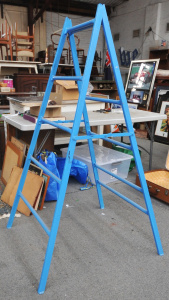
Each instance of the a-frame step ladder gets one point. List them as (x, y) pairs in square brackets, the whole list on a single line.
[(101, 19)]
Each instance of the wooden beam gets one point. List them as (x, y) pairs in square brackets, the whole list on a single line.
[(40, 13)]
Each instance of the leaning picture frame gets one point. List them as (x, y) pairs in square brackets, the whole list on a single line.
[(44, 190), (159, 91), (140, 81), (162, 128)]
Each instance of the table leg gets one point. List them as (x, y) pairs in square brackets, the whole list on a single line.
[(151, 134), (100, 131)]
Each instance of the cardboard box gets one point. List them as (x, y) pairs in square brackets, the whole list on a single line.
[(52, 111), (66, 89)]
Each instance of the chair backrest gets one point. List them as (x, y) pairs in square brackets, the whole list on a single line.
[(23, 34), (4, 34), (77, 41)]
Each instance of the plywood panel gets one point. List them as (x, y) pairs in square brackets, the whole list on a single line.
[(13, 157)]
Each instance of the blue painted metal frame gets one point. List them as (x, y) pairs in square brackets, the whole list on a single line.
[(101, 19)]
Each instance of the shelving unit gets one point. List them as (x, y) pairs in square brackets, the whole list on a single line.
[(107, 87), (163, 54)]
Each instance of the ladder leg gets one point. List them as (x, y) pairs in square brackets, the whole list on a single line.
[(129, 125), (56, 218), (93, 159), (87, 72), (146, 195)]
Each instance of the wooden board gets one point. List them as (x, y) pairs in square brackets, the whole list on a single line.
[(45, 186), (32, 195), (19, 144), (13, 157)]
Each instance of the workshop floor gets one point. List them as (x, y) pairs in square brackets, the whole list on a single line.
[(105, 254)]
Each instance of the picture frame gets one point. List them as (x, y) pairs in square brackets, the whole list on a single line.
[(160, 92), (162, 128), (44, 190), (35, 169), (140, 81)]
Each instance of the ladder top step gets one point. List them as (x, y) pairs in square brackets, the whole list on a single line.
[(75, 78), (81, 27)]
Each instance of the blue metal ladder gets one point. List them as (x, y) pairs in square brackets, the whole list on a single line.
[(100, 19)]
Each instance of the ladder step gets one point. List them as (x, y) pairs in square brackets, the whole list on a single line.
[(36, 162), (73, 78), (94, 135), (104, 100), (119, 143), (124, 198), (80, 27), (120, 178), (33, 211), (56, 124)]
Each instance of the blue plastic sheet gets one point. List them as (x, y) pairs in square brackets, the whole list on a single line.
[(79, 170), (51, 164)]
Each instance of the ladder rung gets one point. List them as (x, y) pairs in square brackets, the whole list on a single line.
[(94, 135), (74, 78), (36, 162), (120, 178), (119, 143), (124, 198), (56, 124), (104, 100), (116, 134), (81, 27), (35, 214)]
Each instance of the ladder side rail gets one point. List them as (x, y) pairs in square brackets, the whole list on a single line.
[(38, 125), (62, 191), (69, 157), (86, 75), (116, 70)]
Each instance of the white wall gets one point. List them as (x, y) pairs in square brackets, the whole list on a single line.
[(141, 15)]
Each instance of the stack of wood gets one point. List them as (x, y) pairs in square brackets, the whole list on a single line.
[(15, 153)]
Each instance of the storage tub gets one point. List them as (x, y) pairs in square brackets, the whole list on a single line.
[(111, 160)]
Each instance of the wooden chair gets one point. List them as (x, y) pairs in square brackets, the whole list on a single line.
[(65, 52), (80, 52), (23, 44), (5, 40)]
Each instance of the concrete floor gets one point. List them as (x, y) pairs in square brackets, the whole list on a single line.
[(105, 254)]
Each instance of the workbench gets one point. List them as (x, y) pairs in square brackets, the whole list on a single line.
[(9, 67), (96, 119)]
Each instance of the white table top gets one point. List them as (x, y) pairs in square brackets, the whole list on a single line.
[(95, 118), (17, 63)]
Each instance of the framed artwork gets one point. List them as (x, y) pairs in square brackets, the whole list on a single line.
[(162, 128), (33, 168), (161, 94), (44, 190), (140, 81)]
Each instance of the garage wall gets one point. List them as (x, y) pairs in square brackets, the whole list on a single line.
[(142, 15)]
